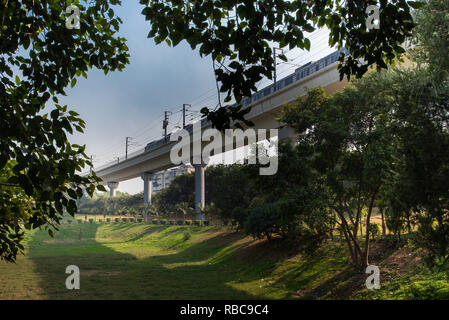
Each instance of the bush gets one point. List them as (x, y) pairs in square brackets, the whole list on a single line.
[(131, 220), (188, 222), (171, 222), (180, 222), (374, 229), (69, 221), (100, 220), (117, 220), (187, 235), (139, 219), (206, 223), (155, 221), (108, 219), (434, 239), (197, 222), (263, 221), (91, 220), (163, 221), (124, 220), (80, 221)]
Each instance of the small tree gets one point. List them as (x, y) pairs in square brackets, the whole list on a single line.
[(183, 209)]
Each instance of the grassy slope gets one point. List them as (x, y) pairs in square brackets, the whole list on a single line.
[(137, 261)]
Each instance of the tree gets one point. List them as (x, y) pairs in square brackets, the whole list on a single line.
[(419, 187), (432, 35), (291, 203), (184, 209), (237, 34), (352, 145), (39, 58), (222, 181)]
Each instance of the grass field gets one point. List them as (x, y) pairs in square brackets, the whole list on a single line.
[(138, 261)]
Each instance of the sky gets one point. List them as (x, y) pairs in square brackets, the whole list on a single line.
[(159, 78)]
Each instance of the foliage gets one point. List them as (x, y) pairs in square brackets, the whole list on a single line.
[(186, 235), (432, 33), (238, 36), (222, 182), (39, 58), (351, 150), (184, 209), (374, 229), (262, 221), (420, 186)]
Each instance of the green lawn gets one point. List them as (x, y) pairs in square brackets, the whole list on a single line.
[(137, 261)]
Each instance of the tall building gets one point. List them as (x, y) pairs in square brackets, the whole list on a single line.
[(163, 179)]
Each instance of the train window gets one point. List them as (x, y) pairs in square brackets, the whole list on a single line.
[(288, 81)]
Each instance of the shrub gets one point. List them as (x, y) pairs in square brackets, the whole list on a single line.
[(117, 220), (374, 229), (180, 222), (197, 222), (171, 222), (69, 221), (163, 221), (108, 219), (262, 221), (187, 235), (139, 219), (206, 223), (131, 220), (91, 220), (80, 221), (100, 220), (188, 222), (124, 219), (155, 221)]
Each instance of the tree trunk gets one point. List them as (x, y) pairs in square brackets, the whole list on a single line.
[(384, 229), (365, 261)]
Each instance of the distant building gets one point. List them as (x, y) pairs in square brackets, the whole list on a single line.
[(159, 183)]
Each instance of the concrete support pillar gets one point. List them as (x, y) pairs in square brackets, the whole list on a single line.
[(147, 178), (112, 185), (200, 194)]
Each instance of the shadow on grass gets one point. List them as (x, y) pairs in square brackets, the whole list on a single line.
[(108, 274)]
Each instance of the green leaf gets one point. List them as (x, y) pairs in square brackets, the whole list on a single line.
[(416, 4), (307, 44)]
